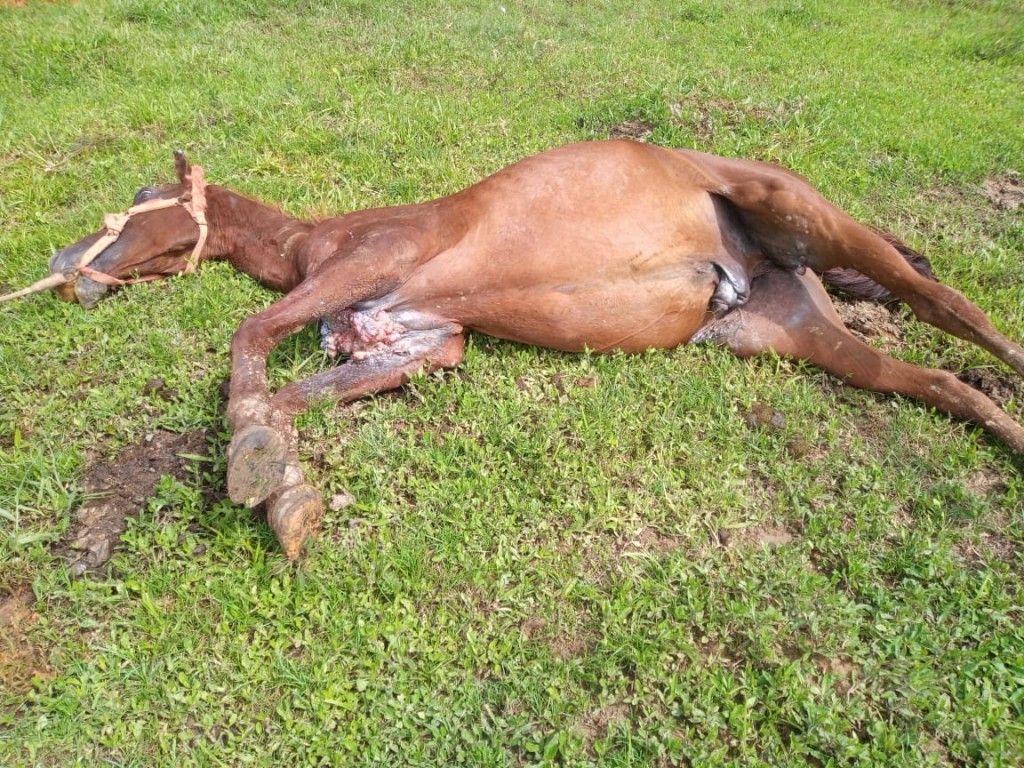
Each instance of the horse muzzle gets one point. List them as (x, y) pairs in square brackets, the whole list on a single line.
[(83, 290), (77, 287)]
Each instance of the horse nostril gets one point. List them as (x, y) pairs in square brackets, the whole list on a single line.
[(89, 292)]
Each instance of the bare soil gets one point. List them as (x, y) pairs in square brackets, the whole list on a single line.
[(844, 671), (565, 647), (119, 489), (990, 544), (755, 536), (532, 627), (762, 416), (21, 659), (999, 386), (638, 130), (767, 536), (1005, 192), (594, 725), (646, 541), (986, 481), (871, 321), (707, 116)]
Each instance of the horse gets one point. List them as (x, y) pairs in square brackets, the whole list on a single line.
[(600, 246)]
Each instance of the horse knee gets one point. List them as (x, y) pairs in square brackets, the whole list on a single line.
[(250, 338), (940, 383)]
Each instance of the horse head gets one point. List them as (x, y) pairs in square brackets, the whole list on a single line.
[(163, 233)]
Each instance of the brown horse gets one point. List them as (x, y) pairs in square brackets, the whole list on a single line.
[(604, 246)]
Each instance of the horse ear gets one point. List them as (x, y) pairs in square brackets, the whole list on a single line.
[(181, 165)]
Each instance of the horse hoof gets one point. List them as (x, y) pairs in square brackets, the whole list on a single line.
[(294, 515), (257, 458)]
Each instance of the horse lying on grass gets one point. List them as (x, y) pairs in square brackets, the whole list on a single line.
[(608, 245)]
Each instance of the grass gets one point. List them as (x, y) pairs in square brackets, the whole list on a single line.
[(553, 559)]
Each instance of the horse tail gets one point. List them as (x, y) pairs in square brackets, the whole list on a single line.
[(854, 285)]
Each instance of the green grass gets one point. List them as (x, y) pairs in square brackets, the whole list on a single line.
[(534, 571)]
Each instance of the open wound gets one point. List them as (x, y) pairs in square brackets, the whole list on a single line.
[(359, 334)]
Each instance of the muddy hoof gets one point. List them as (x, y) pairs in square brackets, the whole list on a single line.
[(294, 516), (257, 458)]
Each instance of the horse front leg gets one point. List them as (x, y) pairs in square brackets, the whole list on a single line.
[(257, 455), (295, 508)]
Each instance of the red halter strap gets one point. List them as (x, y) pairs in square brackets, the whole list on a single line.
[(193, 201)]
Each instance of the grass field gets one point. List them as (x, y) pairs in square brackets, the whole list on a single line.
[(552, 559)]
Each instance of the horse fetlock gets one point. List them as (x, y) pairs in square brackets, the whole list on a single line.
[(257, 462), (247, 409), (294, 515), (1015, 359)]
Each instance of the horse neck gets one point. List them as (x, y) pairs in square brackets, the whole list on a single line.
[(256, 239)]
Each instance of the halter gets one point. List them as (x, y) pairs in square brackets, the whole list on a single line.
[(193, 201)]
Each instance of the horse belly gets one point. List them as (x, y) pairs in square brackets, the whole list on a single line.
[(628, 316)]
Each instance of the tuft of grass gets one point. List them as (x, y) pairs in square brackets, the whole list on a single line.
[(552, 559)]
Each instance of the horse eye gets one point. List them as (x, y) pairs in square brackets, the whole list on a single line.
[(143, 195)]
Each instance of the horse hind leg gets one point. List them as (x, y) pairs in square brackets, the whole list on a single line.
[(937, 304), (791, 315), (796, 226)]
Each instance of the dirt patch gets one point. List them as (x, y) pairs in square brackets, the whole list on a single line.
[(934, 747), (610, 552), (708, 116), (340, 501), (800, 447), (999, 546), (1005, 192), (990, 545), (843, 670), (532, 626), (476, 599), (638, 130), (594, 725), (868, 320), (646, 541), (999, 386), (119, 489), (755, 536), (566, 647), (21, 660), (157, 387), (714, 652), (967, 210), (563, 645), (564, 381), (760, 415), (766, 536), (986, 481)]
